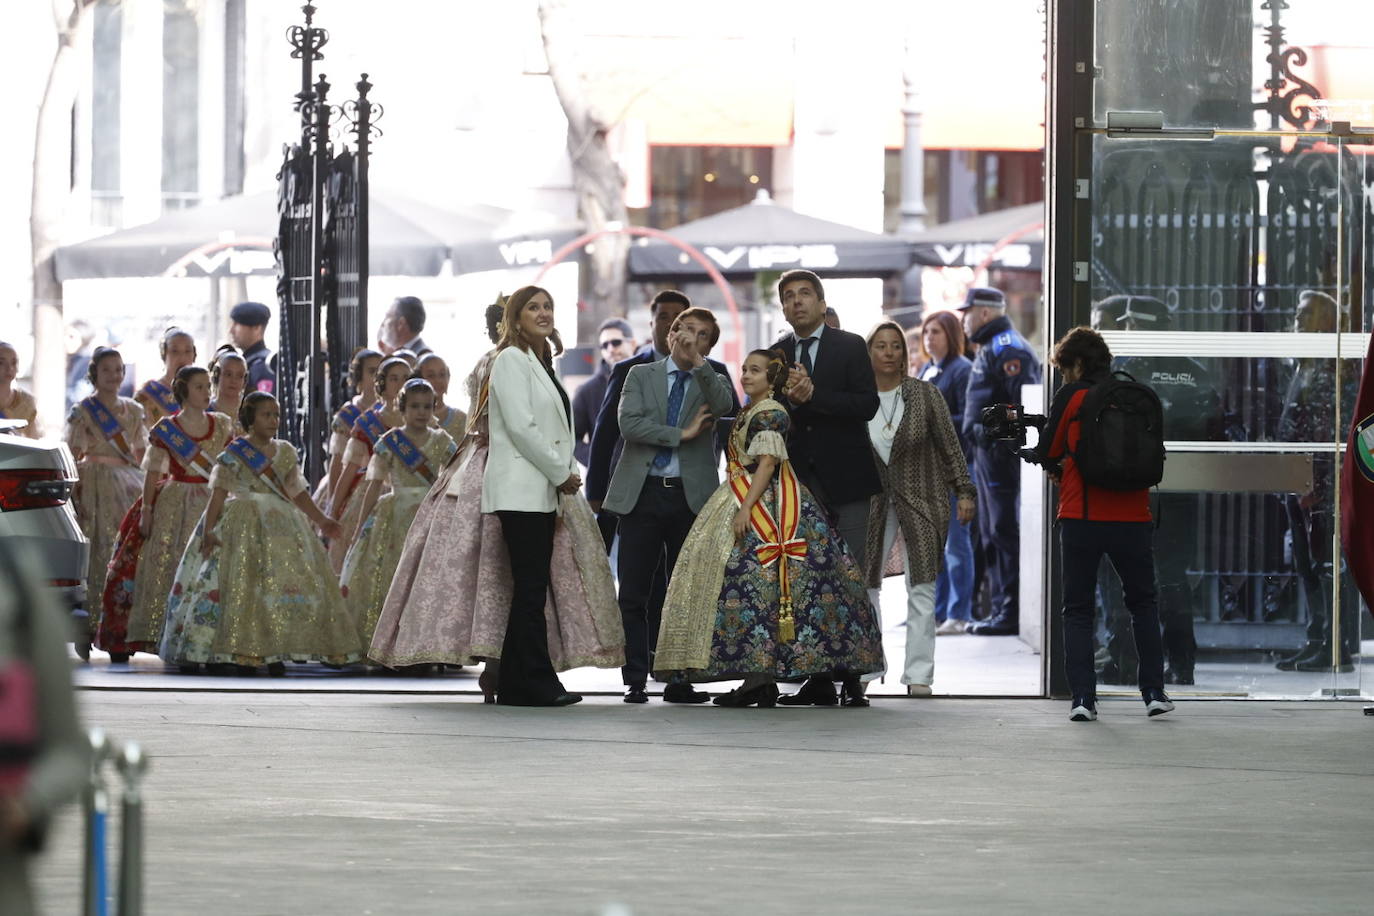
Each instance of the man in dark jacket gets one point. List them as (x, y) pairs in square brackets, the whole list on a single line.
[(616, 342), (832, 395)]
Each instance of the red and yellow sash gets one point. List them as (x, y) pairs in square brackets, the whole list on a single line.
[(778, 534)]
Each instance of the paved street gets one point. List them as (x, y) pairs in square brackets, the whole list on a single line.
[(373, 803)]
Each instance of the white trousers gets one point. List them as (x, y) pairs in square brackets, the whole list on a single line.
[(919, 667)]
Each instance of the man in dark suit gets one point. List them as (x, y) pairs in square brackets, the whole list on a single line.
[(616, 342), (606, 441), (833, 395), (401, 327)]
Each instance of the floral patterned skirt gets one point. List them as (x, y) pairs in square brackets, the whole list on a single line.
[(720, 618), (140, 573), (450, 598), (102, 498), (266, 594)]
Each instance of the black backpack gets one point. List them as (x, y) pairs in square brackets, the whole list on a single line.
[(1120, 435)]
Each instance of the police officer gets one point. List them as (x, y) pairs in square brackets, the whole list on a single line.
[(1003, 364), (247, 324), (1191, 398)]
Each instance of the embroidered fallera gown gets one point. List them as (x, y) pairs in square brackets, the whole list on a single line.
[(266, 594), (371, 561), (134, 604), (157, 401), (367, 429), (724, 616), (450, 598), (110, 481)]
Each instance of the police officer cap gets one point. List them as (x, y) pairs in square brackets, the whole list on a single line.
[(984, 295), (1146, 311), (250, 313)]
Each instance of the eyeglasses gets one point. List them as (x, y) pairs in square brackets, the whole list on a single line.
[(613, 342)]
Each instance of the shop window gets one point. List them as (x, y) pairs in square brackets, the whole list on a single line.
[(689, 182)]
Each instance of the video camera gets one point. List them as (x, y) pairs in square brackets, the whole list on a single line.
[(1007, 424)]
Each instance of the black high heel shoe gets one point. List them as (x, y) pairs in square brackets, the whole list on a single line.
[(764, 696), (852, 694), (487, 682)]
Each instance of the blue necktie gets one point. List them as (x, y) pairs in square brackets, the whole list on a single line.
[(806, 343), (679, 388)]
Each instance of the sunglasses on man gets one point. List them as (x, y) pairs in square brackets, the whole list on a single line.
[(613, 342)]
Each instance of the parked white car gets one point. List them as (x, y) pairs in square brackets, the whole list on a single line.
[(36, 481)]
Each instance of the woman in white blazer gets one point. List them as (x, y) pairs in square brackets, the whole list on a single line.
[(530, 462)]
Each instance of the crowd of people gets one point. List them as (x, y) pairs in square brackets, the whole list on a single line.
[(441, 536)]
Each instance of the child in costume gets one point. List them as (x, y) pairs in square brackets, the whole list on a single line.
[(107, 437), (153, 535), (764, 588), (362, 375), (368, 428), (228, 378), (254, 586), (409, 457), (15, 402)]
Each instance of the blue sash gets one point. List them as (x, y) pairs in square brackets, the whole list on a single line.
[(257, 462), (370, 425), (109, 427), (162, 396), (186, 449), (348, 415), (410, 455)]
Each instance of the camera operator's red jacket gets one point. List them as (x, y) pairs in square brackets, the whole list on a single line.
[(1058, 441)]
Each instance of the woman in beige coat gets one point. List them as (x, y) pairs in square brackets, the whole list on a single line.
[(920, 463)]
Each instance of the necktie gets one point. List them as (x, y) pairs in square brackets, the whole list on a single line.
[(675, 394), (806, 343)]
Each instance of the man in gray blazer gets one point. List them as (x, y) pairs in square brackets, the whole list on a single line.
[(666, 473)]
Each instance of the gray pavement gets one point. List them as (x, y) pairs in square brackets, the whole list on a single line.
[(374, 803)]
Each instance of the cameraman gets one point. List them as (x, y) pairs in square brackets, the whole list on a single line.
[(1094, 522)]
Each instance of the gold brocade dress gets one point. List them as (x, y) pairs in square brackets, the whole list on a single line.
[(452, 421), (266, 593), (371, 561), (723, 616), (180, 504), (22, 406), (109, 485)]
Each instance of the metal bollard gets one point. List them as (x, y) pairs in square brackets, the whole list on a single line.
[(132, 765), (95, 895)]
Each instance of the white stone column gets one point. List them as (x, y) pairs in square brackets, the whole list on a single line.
[(140, 167)]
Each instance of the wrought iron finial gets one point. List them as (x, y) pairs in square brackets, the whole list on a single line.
[(363, 114), (1291, 99)]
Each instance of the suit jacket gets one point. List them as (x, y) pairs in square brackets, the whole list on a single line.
[(927, 463), (586, 404), (829, 439), (530, 436), (644, 428), (606, 441)]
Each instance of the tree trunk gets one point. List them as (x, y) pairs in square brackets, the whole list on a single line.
[(51, 189), (597, 179)]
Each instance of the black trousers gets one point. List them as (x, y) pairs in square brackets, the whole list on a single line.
[(527, 675), (1130, 548), (651, 537), (999, 495), (1311, 530)]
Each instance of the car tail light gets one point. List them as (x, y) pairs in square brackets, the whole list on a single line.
[(33, 489)]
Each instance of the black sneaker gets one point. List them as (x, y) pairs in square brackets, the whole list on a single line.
[(1083, 710), (1157, 702)]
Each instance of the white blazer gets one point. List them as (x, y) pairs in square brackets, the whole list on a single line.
[(530, 436)]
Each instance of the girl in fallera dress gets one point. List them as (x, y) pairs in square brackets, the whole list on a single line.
[(450, 597), (15, 402), (254, 585), (177, 350), (434, 370), (228, 378), (764, 589), (362, 375), (409, 457), (176, 487), (368, 428), (107, 438)]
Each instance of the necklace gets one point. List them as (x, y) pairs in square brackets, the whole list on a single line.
[(890, 415)]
